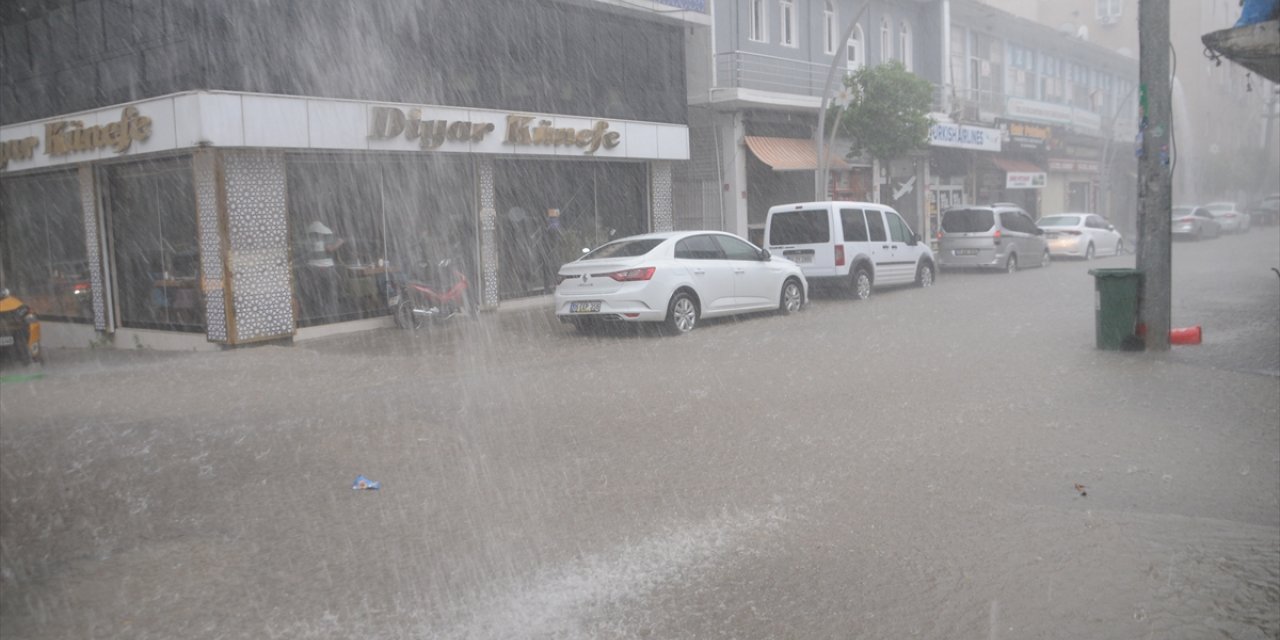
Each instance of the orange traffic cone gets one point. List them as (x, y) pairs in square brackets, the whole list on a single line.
[(1186, 335)]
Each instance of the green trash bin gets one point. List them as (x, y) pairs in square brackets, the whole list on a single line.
[(1115, 304)]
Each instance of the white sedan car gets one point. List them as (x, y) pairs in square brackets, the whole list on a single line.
[(676, 278), (1081, 235), (1232, 219)]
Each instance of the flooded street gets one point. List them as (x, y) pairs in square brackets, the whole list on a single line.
[(901, 467)]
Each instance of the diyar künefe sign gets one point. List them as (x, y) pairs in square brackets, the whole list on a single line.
[(390, 122), (63, 137)]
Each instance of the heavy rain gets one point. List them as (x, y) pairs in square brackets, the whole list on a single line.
[(639, 319)]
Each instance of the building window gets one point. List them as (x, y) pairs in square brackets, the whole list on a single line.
[(886, 42), (1108, 11), (759, 25), (829, 27), (856, 53), (152, 207), (904, 44), (42, 250), (790, 37)]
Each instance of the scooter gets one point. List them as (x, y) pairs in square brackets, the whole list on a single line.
[(415, 302)]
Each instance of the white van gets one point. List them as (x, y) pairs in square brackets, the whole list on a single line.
[(861, 244)]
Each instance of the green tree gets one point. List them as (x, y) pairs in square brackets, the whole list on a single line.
[(887, 113)]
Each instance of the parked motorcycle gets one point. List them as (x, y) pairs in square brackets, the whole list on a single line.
[(440, 296), (19, 329)]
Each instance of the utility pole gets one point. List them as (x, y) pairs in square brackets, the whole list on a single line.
[(1155, 178)]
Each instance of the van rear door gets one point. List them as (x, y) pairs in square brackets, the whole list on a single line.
[(803, 236)]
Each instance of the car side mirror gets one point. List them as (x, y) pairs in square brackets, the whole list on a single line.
[(765, 256), (913, 240), (1039, 231), (1111, 227)]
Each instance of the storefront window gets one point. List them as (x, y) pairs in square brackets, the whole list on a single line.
[(42, 250), (358, 222), (152, 211)]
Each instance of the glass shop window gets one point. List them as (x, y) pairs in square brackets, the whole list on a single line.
[(42, 247)]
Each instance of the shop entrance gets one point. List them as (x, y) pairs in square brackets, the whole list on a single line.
[(548, 211)]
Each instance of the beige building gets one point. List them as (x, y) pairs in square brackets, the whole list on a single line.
[(1225, 148)]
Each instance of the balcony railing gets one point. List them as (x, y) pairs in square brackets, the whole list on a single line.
[(744, 70)]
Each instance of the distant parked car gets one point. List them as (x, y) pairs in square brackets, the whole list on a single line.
[(1265, 211), (1195, 223), (1081, 235), (675, 278), (1000, 236), (1232, 219), (859, 244)]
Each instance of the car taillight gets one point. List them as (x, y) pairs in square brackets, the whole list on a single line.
[(560, 277), (839, 255), (939, 234), (996, 236), (1228, 215), (632, 275), (1186, 220)]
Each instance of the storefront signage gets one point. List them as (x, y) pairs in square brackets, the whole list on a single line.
[(1027, 180), (1072, 166), (1026, 136), (390, 122), (71, 136), (1042, 111), (20, 149), (944, 134)]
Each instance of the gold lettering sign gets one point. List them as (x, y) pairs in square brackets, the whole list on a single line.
[(71, 136), (20, 149), (389, 122)]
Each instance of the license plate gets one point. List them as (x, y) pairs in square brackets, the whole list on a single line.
[(804, 258), (585, 307), (6, 341), (965, 252)]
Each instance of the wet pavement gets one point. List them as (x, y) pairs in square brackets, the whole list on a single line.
[(904, 467)]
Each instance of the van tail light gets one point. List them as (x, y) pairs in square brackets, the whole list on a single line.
[(996, 236), (632, 275), (839, 255)]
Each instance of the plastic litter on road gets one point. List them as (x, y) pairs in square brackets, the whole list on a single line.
[(365, 483)]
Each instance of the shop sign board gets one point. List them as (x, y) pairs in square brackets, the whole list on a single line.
[(1053, 113), (1073, 166), (945, 134), (213, 119), (66, 137), (1027, 136), (1025, 180)]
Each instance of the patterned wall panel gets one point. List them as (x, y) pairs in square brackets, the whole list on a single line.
[(488, 234), (205, 166), (662, 205), (93, 246), (258, 243)]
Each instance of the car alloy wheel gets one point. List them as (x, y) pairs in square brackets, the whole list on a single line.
[(924, 275), (1088, 252), (792, 297), (861, 283), (1119, 247), (682, 316), (1011, 265), (1045, 259)]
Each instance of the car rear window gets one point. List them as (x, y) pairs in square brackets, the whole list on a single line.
[(1059, 221), (623, 249), (807, 226), (1181, 211), (968, 220)]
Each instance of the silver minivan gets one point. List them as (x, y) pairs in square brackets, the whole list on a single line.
[(997, 237)]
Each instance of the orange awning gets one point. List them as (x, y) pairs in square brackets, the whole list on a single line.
[(791, 154), (1010, 165)]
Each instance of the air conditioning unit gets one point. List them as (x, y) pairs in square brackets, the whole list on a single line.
[(1108, 19)]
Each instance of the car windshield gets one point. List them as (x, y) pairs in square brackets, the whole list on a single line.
[(1179, 212), (1220, 207), (1059, 221), (968, 220), (624, 249)]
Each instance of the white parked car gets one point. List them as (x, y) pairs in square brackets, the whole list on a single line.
[(1231, 218), (859, 244), (676, 278), (1081, 235)]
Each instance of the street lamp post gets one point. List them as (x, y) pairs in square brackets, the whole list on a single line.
[(820, 180)]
